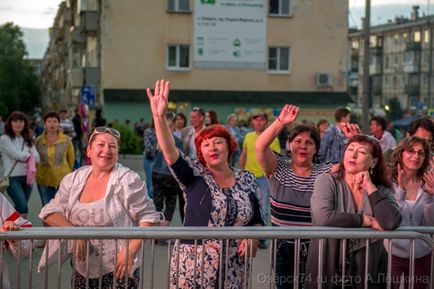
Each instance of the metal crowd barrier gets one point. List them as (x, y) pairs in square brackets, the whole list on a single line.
[(155, 260)]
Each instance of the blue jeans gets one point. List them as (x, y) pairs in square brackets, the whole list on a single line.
[(264, 197), (19, 192), (284, 278), (78, 150), (46, 193), (147, 165)]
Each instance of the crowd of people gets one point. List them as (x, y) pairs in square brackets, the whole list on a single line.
[(322, 175)]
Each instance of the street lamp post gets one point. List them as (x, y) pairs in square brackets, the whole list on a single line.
[(366, 88)]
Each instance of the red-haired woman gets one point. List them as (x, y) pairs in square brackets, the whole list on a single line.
[(16, 146), (216, 195), (358, 195), (410, 161)]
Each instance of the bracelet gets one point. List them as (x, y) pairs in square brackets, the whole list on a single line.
[(278, 118)]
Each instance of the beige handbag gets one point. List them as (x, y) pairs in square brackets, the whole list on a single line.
[(4, 181)]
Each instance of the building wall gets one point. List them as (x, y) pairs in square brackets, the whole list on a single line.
[(135, 34)]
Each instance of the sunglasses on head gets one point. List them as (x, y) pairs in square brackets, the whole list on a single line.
[(201, 110), (103, 129)]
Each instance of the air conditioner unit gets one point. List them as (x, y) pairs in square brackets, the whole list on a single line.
[(324, 79)]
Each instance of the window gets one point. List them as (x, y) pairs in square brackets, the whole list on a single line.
[(178, 5), (416, 36), (278, 59), (178, 57), (387, 62), (280, 7), (426, 36)]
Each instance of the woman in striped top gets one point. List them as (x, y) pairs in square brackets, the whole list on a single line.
[(291, 186)]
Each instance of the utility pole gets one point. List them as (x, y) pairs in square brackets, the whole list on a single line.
[(366, 88)]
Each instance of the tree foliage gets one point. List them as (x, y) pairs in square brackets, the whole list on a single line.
[(395, 111), (19, 86)]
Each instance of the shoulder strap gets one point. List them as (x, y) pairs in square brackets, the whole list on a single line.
[(13, 167)]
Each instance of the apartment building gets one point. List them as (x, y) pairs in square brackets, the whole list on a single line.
[(224, 55), (399, 64)]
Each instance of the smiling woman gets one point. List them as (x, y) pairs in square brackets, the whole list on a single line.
[(104, 194)]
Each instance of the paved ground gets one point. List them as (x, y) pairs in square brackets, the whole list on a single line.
[(160, 268)]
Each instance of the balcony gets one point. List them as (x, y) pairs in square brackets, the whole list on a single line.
[(377, 90), (75, 77), (89, 22), (413, 46), (75, 36), (376, 50), (375, 69), (412, 90), (92, 76), (411, 67)]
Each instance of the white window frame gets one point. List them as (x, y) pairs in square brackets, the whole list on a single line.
[(280, 13), (278, 70), (176, 7), (178, 49)]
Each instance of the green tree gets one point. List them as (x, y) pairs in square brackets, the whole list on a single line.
[(395, 111), (19, 86)]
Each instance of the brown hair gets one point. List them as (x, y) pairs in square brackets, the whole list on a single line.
[(406, 144), (379, 174)]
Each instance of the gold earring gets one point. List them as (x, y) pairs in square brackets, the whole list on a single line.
[(371, 170)]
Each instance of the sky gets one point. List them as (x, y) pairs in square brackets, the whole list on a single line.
[(40, 13)]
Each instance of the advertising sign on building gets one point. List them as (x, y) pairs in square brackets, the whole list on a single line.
[(230, 34)]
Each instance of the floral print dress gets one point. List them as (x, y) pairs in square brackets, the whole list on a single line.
[(198, 266)]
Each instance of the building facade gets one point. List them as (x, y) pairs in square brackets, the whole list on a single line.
[(220, 54), (401, 63)]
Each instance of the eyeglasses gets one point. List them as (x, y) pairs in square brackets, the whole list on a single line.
[(103, 129), (412, 152)]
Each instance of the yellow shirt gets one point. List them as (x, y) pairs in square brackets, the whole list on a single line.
[(252, 164), (56, 160)]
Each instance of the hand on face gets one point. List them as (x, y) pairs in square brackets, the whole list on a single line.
[(364, 182), (158, 101), (289, 113)]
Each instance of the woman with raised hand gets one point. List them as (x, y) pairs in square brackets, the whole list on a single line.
[(17, 148), (291, 186), (216, 195), (358, 195), (103, 194), (410, 161)]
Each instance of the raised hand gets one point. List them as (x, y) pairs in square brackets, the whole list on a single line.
[(351, 129), (401, 177), (289, 113), (158, 101)]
